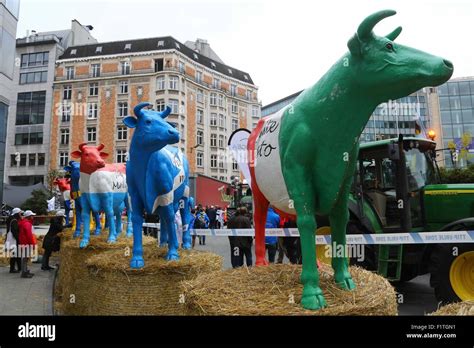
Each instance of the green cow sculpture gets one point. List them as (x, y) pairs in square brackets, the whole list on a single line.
[(303, 158)]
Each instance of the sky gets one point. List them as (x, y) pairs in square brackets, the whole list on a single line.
[(285, 46)]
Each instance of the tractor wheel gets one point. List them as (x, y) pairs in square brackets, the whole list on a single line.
[(452, 272), (369, 261)]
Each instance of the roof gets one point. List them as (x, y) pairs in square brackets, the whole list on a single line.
[(383, 142), (151, 44), (291, 96)]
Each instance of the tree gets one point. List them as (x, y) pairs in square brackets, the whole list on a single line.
[(52, 175), (37, 202)]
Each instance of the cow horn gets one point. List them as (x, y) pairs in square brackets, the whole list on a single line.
[(137, 109), (365, 28), (81, 146), (100, 147)]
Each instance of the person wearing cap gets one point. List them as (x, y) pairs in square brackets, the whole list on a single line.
[(26, 242), (51, 240), (12, 239)]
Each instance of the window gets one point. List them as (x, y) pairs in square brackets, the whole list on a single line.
[(200, 116), (122, 109), (173, 82), (98, 49), (233, 90), (69, 72), (92, 110), (221, 120), (64, 136), (221, 163), (213, 65), (213, 161), (23, 160), (235, 124), (199, 137), (66, 112), (195, 56), (181, 67), (235, 166), (67, 92), (122, 133), (255, 111), (123, 87), (73, 52), (63, 159), (91, 134), (235, 107), (199, 159), (41, 159), (221, 100), (160, 83), (160, 104), (216, 83), (248, 94), (34, 59), (121, 156), (221, 141), (128, 46), (94, 89), (125, 68), (33, 77), (31, 159), (183, 132), (30, 108), (158, 64), (213, 99), (213, 119), (213, 140), (161, 43), (95, 70), (29, 138), (200, 96), (174, 105), (13, 161), (198, 76)]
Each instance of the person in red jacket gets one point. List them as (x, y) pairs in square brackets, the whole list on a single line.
[(26, 242)]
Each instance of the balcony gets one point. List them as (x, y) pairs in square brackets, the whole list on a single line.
[(37, 39)]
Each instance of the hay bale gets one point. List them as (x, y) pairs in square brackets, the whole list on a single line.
[(459, 308), (116, 289), (276, 290), (73, 277)]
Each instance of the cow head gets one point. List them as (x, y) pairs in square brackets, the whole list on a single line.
[(74, 171), (92, 158), (152, 131), (64, 184), (390, 70)]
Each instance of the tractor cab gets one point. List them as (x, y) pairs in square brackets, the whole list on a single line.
[(391, 176)]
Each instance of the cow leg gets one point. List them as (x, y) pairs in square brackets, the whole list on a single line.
[(109, 213), (338, 219), (118, 221), (98, 226), (300, 188), (260, 207), (129, 217), (185, 212), (137, 222), (167, 218), (86, 213), (78, 214)]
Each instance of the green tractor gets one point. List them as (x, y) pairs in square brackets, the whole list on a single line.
[(398, 188)]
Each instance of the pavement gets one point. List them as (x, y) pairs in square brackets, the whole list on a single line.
[(33, 296)]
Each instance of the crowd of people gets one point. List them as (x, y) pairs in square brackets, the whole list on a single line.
[(20, 241)]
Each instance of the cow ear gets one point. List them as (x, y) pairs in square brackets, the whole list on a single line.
[(394, 34), (76, 154), (130, 121), (104, 155), (354, 46), (165, 112)]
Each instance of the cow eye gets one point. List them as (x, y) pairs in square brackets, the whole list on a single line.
[(389, 46)]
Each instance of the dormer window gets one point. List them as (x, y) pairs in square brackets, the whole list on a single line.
[(98, 49), (230, 71), (177, 45), (73, 52), (128, 46), (195, 56), (213, 65), (246, 77), (161, 43)]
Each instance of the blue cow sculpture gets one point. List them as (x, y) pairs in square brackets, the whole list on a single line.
[(75, 173), (157, 178), (103, 187)]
